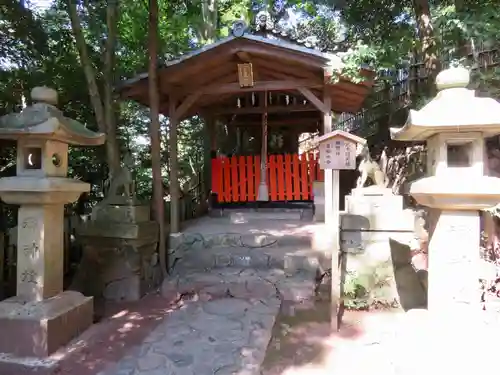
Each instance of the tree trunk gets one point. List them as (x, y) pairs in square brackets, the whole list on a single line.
[(95, 97), (154, 104), (209, 18), (428, 43), (109, 77)]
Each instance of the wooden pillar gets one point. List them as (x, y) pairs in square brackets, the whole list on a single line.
[(174, 171), (263, 192), (332, 218)]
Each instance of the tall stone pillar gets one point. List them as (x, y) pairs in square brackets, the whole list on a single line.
[(42, 317), (454, 262)]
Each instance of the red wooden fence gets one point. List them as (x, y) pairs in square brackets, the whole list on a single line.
[(289, 177)]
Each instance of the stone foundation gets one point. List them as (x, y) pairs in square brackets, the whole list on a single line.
[(120, 261), (376, 233), (38, 329)]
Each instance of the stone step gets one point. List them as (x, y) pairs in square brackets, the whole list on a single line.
[(242, 217), (240, 283), (250, 240), (293, 260)]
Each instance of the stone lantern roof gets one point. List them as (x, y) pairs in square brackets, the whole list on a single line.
[(454, 109), (43, 120)]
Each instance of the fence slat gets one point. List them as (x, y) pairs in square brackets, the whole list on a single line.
[(273, 186), (296, 177), (243, 179), (234, 179), (280, 175), (227, 179), (250, 178), (288, 177), (257, 175), (304, 174), (216, 176)]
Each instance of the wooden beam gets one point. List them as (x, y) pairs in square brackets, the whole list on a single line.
[(244, 56), (279, 54), (222, 75), (291, 72), (314, 100), (181, 110), (283, 122), (221, 110), (280, 85)]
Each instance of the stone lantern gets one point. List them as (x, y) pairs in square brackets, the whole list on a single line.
[(454, 125), (42, 317)]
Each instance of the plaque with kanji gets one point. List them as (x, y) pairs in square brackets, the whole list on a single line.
[(337, 150)]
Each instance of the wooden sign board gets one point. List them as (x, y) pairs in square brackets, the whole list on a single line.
[(245, 75), (337, 153), (337, 150)]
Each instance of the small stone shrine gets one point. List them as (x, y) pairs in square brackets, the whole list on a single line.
[(454, 125), (120, 262), (42, 317)]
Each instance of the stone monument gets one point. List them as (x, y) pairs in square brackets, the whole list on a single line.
[(42, 317), (120, 262), (374, 219), (454, 125)]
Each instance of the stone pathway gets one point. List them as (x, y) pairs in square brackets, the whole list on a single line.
[(223, 326)]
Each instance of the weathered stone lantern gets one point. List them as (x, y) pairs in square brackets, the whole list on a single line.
[(42, 317), (454, 125)]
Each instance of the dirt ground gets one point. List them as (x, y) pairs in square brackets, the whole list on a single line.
[(304, 344)]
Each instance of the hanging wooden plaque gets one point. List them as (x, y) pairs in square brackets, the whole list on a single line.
[(245, 75)]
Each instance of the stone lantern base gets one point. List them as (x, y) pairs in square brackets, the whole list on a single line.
[(120, 262), (39, 328)]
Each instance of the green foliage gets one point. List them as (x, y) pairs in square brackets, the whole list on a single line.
[(369, 287)]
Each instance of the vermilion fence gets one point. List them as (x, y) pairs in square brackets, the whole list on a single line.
[(289, 177)]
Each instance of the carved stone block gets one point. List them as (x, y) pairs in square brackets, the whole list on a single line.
[(124, 213), (383, 221), (359, 204), (49, 324), (120, 262), (118, 271), (129, 231)]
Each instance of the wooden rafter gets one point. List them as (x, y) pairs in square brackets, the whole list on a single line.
[(234, 88), (278, 54), (313, 99), (260, 109), (281, 122), (290, 71)]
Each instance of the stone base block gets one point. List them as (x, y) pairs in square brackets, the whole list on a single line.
[(125, 231), (117, 270), (38, 329), (125, 213), (131, 288)]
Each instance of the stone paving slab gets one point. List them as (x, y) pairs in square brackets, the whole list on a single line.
[(241, 283), (221, 336), (223, 326)]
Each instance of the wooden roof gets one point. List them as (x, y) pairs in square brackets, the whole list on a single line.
[(208, 78)]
